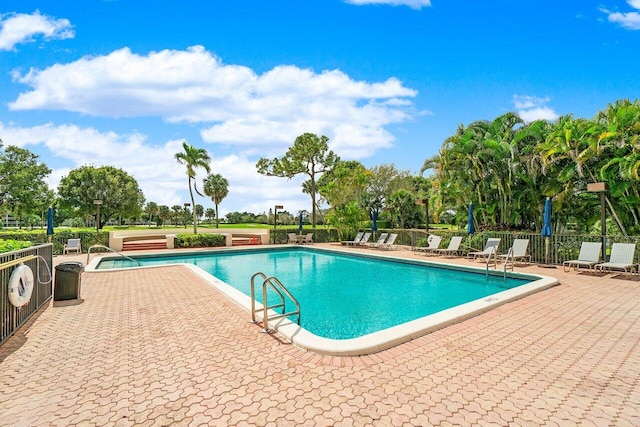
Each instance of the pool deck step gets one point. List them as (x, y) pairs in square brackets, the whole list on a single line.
[(142, 245), (244, 241)]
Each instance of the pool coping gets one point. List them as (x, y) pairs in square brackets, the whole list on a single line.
[(376, 341)]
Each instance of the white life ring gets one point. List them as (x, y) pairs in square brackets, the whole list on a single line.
[(21, 285)]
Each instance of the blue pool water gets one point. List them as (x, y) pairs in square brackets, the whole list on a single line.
[(344, 296)]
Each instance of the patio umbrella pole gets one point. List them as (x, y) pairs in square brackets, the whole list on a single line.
[(546, 233)]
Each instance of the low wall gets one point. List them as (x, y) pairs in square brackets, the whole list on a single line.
[(118, 237)]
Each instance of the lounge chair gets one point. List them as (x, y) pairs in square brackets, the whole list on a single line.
[(453, 248), (355, 240), (308, 238), (72, 245), (381, 239), (490, 248), (588, 257), (388, 244), (365, 239), (293, 238), (518, 251), (622, 255), (433, 243)]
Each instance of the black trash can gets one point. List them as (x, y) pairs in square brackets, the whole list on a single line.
[(67, 283)]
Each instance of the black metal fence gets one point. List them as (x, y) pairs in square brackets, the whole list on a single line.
[(40, 260)]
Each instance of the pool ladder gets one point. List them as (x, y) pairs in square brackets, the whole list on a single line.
[(111, 250), (506, 262), (274, 284), (493, 252)]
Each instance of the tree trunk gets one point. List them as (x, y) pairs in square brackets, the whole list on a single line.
[(313, 201), (193, 204), (217, 217)]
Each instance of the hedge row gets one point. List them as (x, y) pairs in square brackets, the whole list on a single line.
[(206, 240)]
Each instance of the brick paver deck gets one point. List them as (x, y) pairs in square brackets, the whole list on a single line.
[(162, 347)]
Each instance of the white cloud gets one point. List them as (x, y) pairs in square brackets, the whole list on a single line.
[(413, 4), (16, 28), (236, 105), (531, 108), (628, 20), (160, 177)]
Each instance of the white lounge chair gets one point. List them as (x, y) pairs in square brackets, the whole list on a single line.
[(388, 244), (518, 251), (365, 239), (381, 239), (355, 240), (433, 243), (490, 248), (453, 248), (588, 257), (308, 239), (72, 245), (622, 255), (292, 238)]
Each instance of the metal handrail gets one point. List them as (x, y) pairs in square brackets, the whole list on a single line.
[(492, 251), (270, 281), (17, 261), (508, 257), (275, 285), (253, 297), (114, 251)]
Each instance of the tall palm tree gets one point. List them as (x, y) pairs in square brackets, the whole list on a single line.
[(216, 187), (152, 209), (164, 212), (193, 158)]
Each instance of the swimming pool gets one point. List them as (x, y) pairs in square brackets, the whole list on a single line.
[(345, 297)]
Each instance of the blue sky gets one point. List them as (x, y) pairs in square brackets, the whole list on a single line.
[(123, 82)]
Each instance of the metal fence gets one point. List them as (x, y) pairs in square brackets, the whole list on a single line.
[(40, 260), (59, 239), (562, 247), (320, 235)]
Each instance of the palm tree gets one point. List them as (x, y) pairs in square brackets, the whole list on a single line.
[(176, 211), (210, 214), (216, 187), (193, 158), (199, 209), (164, 212), (152, 209)]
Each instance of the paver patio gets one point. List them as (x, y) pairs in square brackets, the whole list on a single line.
[(162, 347)]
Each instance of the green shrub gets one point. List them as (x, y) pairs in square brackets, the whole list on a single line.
[(188, 240), (13, 245)]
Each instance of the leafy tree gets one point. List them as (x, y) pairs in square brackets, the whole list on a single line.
[(309, 155), (346, 219), (193, 158), (22, 185), (345, 183), (216, 187), (234, 217), (120, 194), (405, 210), (384, 180)]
